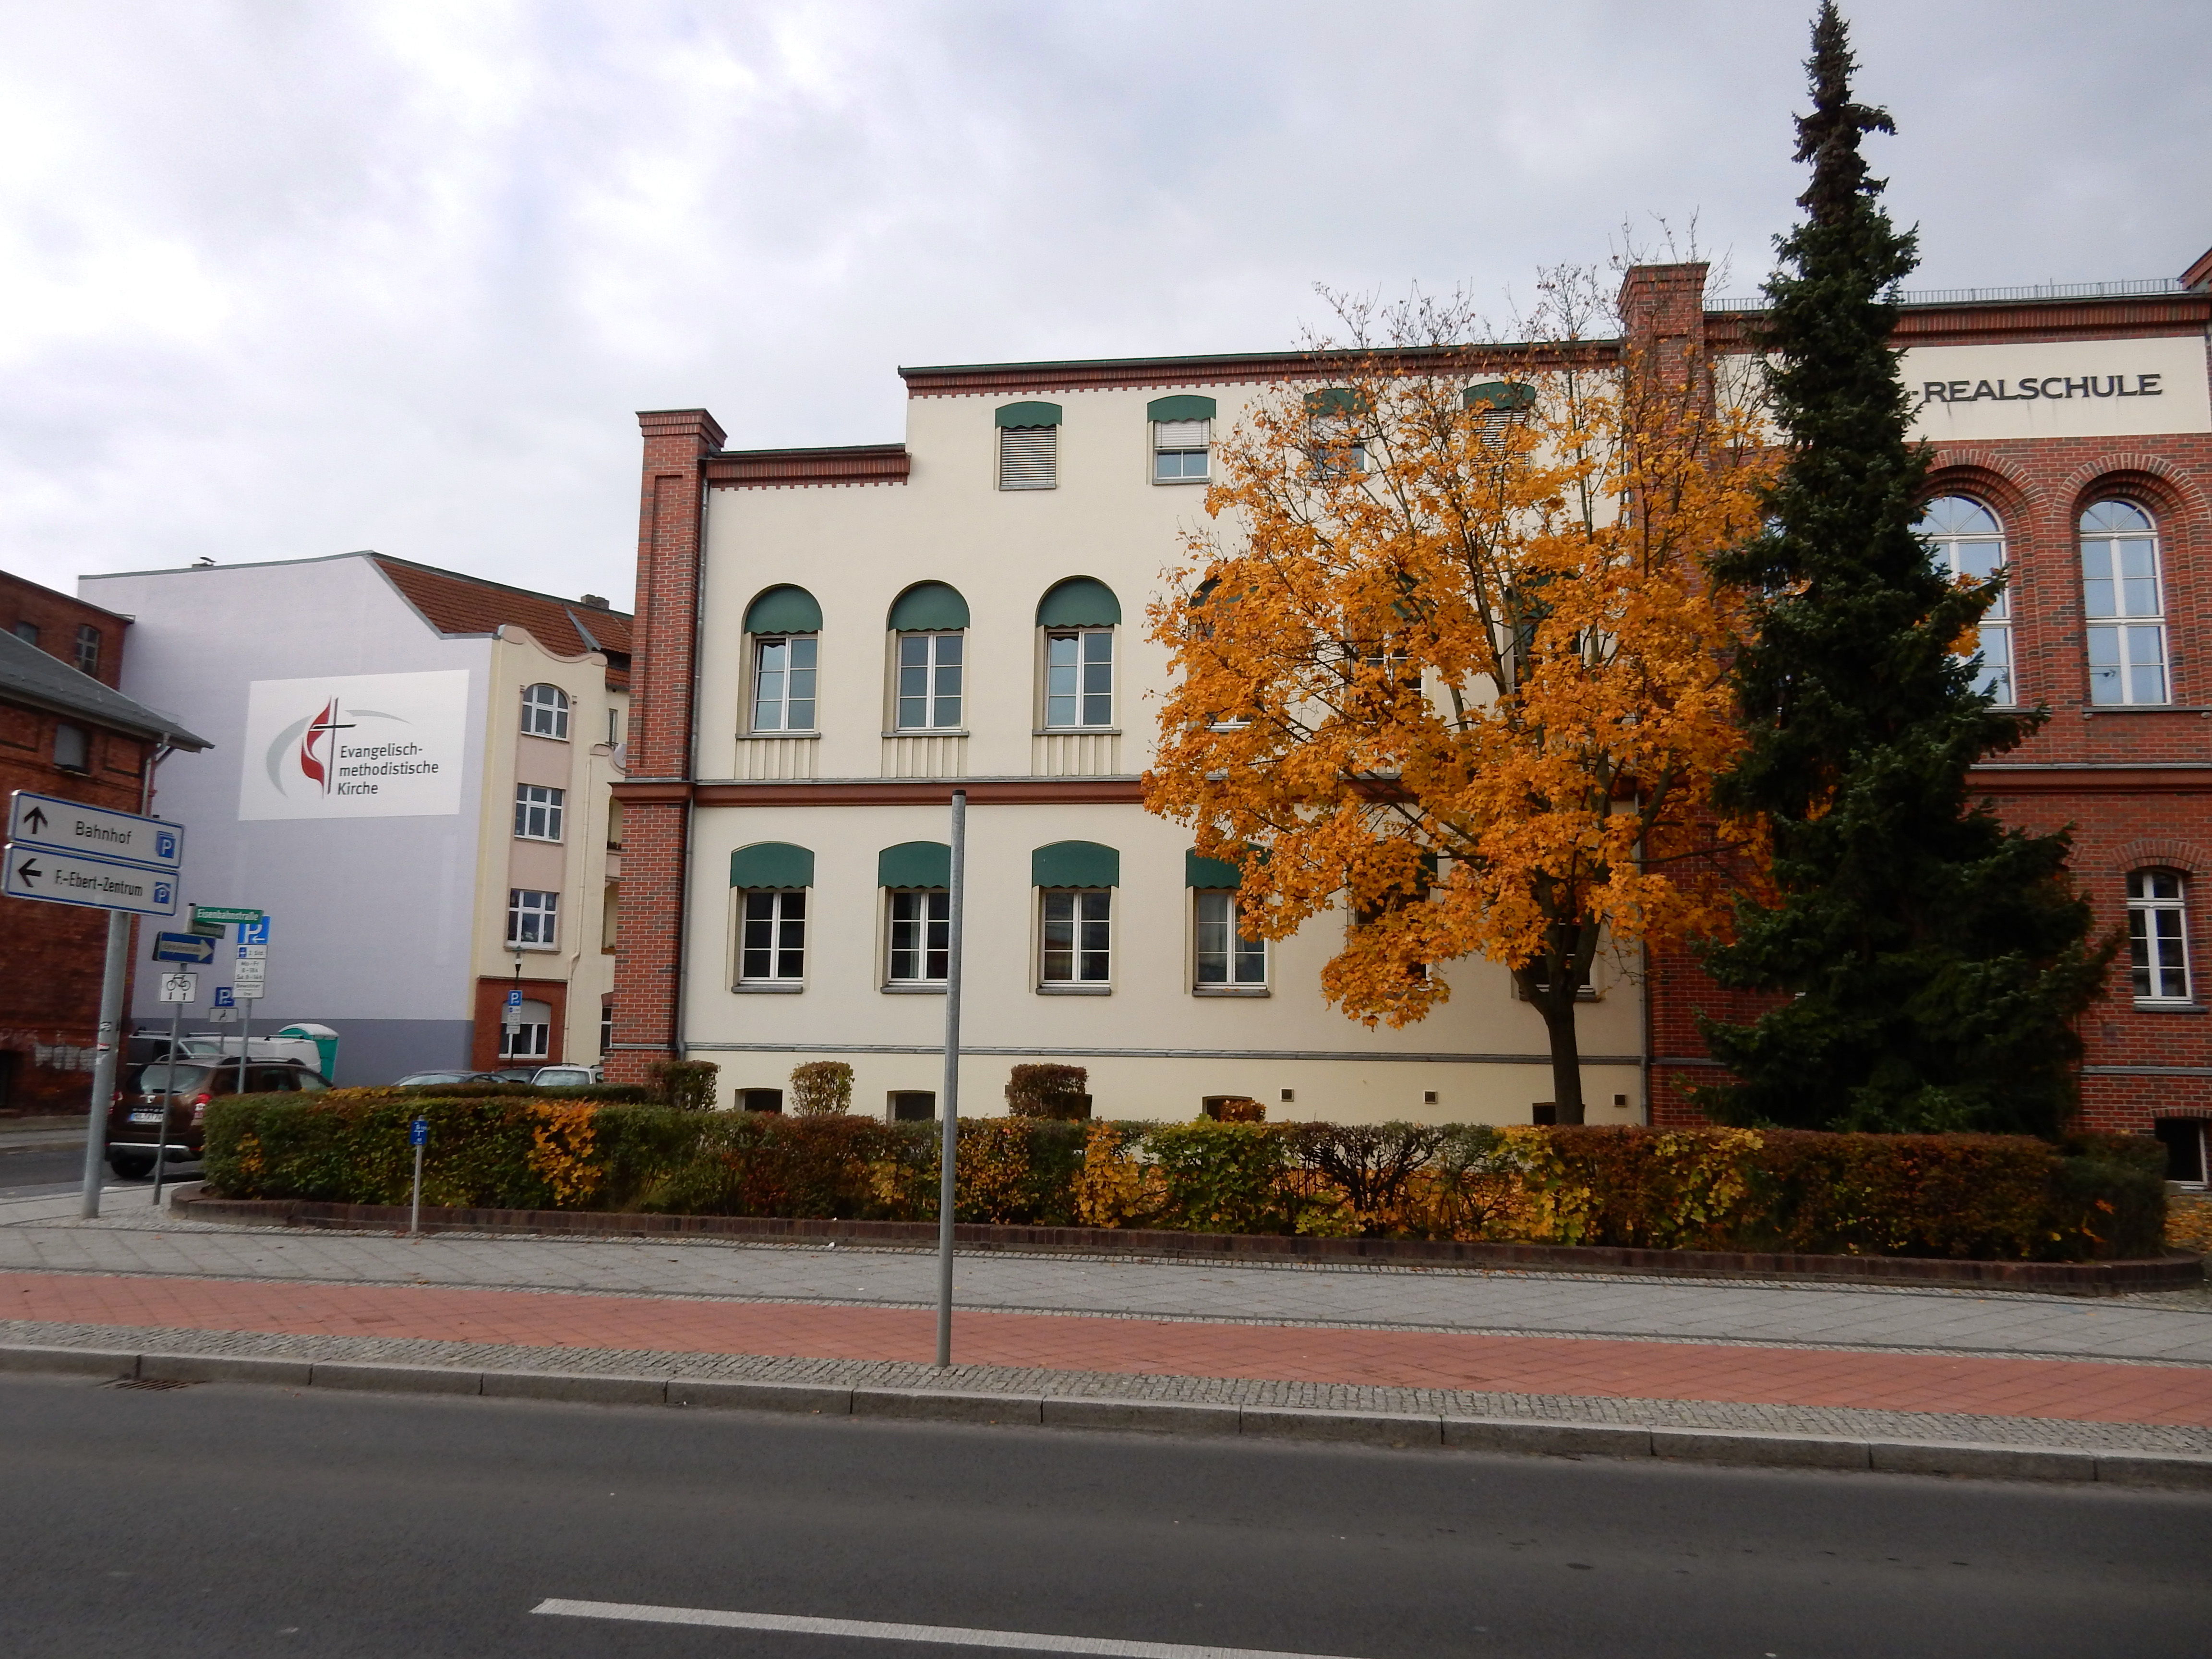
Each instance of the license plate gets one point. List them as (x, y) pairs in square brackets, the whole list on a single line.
[(145, 1117)]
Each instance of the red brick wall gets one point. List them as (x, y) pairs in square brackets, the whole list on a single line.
[(57, 617), (491, 1001), (655, 801), (56, 954), (2135, 784)]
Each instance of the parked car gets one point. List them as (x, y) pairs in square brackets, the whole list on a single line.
[(513, 1073), (183, 1089), (567, 1077), (419, 1080)]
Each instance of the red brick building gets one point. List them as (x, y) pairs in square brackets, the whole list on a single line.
[(64, 731), (2072, 430)]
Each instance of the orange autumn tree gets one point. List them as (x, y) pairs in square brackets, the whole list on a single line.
[(1450, 659)]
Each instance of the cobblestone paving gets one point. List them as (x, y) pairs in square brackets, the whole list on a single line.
[(131, 1239), (1950, 1427)]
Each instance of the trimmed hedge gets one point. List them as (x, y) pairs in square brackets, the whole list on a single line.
[(1991, 1197)]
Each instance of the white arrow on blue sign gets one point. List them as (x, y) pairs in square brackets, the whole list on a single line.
[(183, 947), (97, 884), (418, 1131)]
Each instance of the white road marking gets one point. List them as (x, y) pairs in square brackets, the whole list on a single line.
[(869, 1629)]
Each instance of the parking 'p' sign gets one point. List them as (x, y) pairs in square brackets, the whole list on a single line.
[(418, 1131)]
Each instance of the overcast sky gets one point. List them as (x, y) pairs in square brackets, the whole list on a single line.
[(279, 280)]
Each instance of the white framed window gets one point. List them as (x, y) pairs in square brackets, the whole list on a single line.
[(921, 935), (1227, 958), (87, 649), (1028, 457), (531, 917), (1078, 677), (538, 811), (2124, 606), (1181, 451), (2158, 936), (545, 712), (1077, 936), (783, 682), (531, 1039), (1965, 539), (772, 937), (616, 721), (929, 670)]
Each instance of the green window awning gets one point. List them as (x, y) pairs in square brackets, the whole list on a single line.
[(784, 609), (914, 863), (772, 864), (1019, 415), (1078, 602), (1209, 874), (928, 607), (1500, 395), (1075, 864), (1335, 400), (1184, 406)]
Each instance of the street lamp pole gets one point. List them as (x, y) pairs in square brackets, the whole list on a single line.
[(950, 1098)]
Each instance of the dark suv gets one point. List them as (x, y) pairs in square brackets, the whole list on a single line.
[(134, 1122)]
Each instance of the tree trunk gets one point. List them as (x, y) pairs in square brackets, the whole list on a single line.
[(1557, 1004)]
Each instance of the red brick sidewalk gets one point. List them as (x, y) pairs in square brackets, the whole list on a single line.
[(2079, 1390)]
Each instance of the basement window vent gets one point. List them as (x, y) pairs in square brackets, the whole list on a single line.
[(1028, 457)]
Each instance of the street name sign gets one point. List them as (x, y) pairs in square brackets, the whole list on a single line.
[(183, 947), (180, 988), (71, 827), (222, 915), (98, 884)]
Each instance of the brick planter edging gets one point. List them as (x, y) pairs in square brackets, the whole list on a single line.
[(2174, 1272)]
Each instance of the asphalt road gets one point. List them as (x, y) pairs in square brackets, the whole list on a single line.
[(42, 1171), (244, 1521)]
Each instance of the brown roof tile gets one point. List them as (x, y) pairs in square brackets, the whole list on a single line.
[(455, 604)]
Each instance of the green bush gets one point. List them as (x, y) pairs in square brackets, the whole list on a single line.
[(1796, 1191)]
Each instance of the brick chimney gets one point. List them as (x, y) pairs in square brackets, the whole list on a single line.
[(1663, 312), (656, 793)]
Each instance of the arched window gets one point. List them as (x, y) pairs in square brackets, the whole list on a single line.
[(929, 625), (770, 879), (1183, 438), (1079, 618), (2124, 606), (785, 625), (1965, 539), (2158, 936), (545, 712)]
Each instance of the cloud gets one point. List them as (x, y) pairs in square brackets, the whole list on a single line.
[(280, 281)]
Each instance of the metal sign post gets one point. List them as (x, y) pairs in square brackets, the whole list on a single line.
[(64, 852), (177, 990), (418, 1131), (948, 1156)]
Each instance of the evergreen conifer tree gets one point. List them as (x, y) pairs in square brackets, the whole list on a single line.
[(1934, 959)]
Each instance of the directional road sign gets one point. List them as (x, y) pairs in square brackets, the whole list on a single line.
[(100, 884), (418, 1131), (183, 947), (67, 826), (221, 916), (180, 988)]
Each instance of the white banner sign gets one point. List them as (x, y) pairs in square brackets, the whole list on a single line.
[(355, 746)]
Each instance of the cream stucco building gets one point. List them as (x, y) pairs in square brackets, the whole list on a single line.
[(830, 639)]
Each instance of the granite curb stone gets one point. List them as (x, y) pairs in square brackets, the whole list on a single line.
[(1398, 1429), (2172, 1271)]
